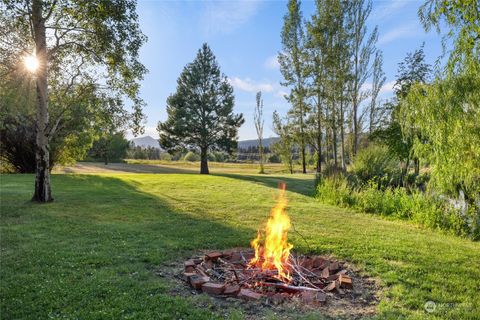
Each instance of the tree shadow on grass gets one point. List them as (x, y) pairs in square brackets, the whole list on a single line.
[(126, 168), (301, 186), (100, 240)]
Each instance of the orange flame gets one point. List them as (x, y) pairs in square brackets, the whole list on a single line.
[(273, 252)]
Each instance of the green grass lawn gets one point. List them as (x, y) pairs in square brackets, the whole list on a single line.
[(91, 254)]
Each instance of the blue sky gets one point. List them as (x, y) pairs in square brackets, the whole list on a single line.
[(245, 37)]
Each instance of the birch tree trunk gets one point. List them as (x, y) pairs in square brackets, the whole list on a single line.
[(43, 191)]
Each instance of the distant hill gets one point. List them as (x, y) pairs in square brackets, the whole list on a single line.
[(267, 142), (146, 142)]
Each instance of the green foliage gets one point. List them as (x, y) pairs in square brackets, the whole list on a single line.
[(421, 208), (110, 148), (165, 156), (376, 163), (200, 112), (462, 19), (219, 156), (191, 156), (284, 147), (274, 158)]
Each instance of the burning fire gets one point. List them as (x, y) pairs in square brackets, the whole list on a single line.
[(272, 251)]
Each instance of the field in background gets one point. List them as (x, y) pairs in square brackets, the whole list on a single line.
[(162, 166), (95, 252)]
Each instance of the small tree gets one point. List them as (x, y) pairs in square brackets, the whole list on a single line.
[(110, 147), (284, 147), (200, 112), (258, 119)]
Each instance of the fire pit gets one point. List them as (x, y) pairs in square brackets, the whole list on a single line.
[(269, 271)]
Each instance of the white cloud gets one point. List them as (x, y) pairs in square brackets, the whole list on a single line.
[(384, 11), (249, 85), (386, 88), (281, 93), (226, 16), (405, 31), (272, 62)]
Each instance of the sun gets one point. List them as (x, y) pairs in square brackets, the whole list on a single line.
[(31, 63)]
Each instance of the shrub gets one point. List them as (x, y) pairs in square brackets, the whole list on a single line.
[(211, 157), (274, 158), (165, 156), (220, 156), (400, 203), (375, 163), (191, 156)]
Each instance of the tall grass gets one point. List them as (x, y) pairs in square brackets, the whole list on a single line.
[(399, 203)]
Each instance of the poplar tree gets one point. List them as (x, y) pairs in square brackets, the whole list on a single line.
[(258, 120), (362, 48), (378, 80), (292, 66)]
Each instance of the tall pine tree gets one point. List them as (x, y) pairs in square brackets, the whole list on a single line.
[(200, 112)]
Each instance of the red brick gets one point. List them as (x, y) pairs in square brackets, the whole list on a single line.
[(345, 281), (325, 273), (308, 296), (330, 287), (213, 255), (231, 290), (197, 281), (189, 269), (236, 256), (334, 267), (318, 262), (332, 277), (249, 294), (188, 275), (212, 288), (189, 263)]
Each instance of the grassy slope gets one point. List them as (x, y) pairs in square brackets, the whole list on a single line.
[(90, 254)]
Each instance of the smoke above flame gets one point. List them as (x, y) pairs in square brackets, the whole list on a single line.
[(272, 250)]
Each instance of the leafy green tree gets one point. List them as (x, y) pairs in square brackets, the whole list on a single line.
[(396, 135), (292, 65), (200, 112), (112, 147), (285, 147), (77, 44), (258, 120), (446, 113)]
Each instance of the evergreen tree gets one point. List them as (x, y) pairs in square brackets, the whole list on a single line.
[(200, 112)]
